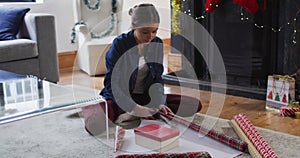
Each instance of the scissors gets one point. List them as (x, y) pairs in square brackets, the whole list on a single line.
[(158, 116)]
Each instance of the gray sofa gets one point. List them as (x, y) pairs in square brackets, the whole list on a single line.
[(34, 52)]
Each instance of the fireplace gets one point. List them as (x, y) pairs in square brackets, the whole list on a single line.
[(250, 52)]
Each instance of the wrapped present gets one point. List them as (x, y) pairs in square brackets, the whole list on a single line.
[(280, 91), (157, 137), (288, 111)]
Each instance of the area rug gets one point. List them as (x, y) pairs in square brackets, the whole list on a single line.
[(284, 145), (62, 134)]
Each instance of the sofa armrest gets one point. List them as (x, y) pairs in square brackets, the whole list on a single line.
[(41, 28), (82, 28), (82, 33)]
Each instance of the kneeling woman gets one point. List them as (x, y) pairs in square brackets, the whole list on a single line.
[(133, 83)]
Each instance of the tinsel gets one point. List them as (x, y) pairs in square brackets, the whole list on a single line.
[(89, 6), (73, 33), (109, 30), (111, 27), (112, 24), (176, 11)]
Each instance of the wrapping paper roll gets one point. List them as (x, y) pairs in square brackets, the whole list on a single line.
[(251, 148), (230, 141), (119, 138), (288, 111), (253, 135), (168, 155)]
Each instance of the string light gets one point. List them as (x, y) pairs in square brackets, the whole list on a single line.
[(280, 28), (243, 17)]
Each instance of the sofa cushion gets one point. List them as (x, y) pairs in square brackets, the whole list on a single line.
[(17, 49), (10, 21)]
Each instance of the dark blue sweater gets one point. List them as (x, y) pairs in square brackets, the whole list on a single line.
[(122, 63)]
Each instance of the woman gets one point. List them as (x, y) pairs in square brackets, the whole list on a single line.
[(133, 82)]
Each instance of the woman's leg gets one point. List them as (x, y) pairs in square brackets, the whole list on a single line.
[(183, 105), (94, 116)]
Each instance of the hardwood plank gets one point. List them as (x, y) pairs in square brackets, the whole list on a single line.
[(254, 109), (66, 59), (232, 105)]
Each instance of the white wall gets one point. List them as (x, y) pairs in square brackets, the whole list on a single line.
[(64, 18)]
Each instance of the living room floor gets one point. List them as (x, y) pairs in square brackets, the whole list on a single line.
[(232, 105)]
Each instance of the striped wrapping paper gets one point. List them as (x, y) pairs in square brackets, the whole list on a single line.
[(168, 155), (288, 111), (251, 148), (253, 135), (119, 138), (232, 142)]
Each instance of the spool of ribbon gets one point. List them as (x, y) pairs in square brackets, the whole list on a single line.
[(230, 141)]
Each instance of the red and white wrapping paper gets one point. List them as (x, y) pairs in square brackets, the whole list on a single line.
[(168, 155), (288, 111), (225, 139), (119, 138), (253, 135)]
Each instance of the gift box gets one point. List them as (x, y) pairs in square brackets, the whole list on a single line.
[(156, 137), (288, 111), (280, 91)]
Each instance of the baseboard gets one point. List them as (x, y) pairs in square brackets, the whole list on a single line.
[(67, 59)]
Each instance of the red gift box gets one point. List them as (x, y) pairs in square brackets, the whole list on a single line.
[(156, 137)]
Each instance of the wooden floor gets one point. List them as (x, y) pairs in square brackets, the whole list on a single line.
[(215, 104)]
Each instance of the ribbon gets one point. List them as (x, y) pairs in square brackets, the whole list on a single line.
[(284, 78), (230, 141)]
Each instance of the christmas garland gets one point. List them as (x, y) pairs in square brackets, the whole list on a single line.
[(89, 6), (104, 33), (112, 24), (73, 33), (176, 11)]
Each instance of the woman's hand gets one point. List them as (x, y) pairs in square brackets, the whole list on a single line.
[(142, 111), (165, 109)]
